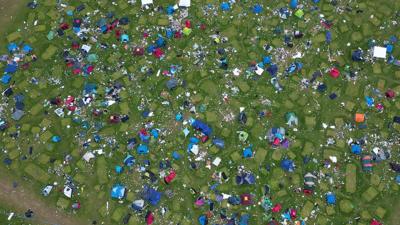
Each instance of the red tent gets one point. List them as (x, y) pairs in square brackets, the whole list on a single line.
[(334, 73)]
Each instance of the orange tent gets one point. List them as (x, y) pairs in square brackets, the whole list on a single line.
[(360, 117)]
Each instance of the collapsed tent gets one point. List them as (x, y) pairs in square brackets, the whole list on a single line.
[(151, 195), (204, 128)]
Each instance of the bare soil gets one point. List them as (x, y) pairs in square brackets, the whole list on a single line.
[(21, 199)]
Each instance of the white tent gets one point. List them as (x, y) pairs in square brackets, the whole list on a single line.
[(379, 52), (68, 191), (147, 2), (184, 3)]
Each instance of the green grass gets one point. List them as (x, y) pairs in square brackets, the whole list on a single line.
[(354, 196)]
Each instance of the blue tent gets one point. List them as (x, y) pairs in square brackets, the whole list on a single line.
[(118, 169), (219, 143), (151, 195), (11, 68), (138, 205), (170, 10), (90, 88), (356, 149), (204, 128), (160, 42), (331, 198), (118, 191), (19, 97), (27, 48), (194, 140), (12, 47), (172, 84), (287, 165), (357, 55), (56, 139), (155, 133), (247, 178), (293, 4), (129, 160), (244, 219), (124, 38), (142, 149), (272, 70), (203, 220), (176, 155), (225, 6), (248, 152), (5, 79), (257, 9), (169, 33), (267, 59), (369, 100)]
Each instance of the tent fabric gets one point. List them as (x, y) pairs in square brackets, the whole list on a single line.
[(129, 160), (12, 47), (247, 153), (118, 191), (331, 198), (356, 149), (204, 128), (138, 205), (142, 149), (5, 79), (287, 165), (11, 68), (27, 48), (151, 195)]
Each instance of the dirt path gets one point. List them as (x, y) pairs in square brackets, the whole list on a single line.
[(21, 199)]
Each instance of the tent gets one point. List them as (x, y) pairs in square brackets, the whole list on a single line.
[(204, 128), (46, 191), (356, 149), (18, 114), (118, 191), (27, 48), (366, 162), (3, 124), (225, 6), (172, 83), (92, 58), (244, 219), (203, 220), (124, 38), (142, 149), (5, 79), (184, 3), (11, 68), (118, 169), (257, 9), (248, 152), (291, 119), (138, 205), (287, 165), (12, 47), (151, 195), (219, 143), (330, 198), (129, 160), (309, 182), (55, 139), (246, 178), (147, 2)]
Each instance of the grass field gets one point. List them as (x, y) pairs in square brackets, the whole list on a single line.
[(359, 194)]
